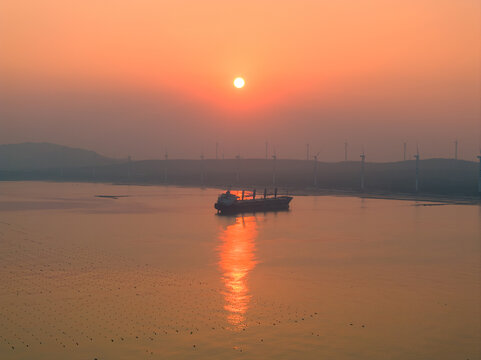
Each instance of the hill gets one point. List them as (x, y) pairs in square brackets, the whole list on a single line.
[(36, 156), (445, 177)]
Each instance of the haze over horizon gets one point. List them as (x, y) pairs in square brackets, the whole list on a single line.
[(140, 77)]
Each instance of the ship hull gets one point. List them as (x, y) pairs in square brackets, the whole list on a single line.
[(257, 205)]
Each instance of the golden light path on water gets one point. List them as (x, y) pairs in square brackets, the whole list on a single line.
[(237, 259)]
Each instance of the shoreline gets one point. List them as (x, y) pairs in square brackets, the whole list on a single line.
[(424, 197), (440, 199)]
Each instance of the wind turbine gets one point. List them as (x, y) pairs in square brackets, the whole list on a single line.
[(479, 175), (166, 157), (417, 167), (202, 168), (274, 158), (129, 167), (363, 159), (315, 169)]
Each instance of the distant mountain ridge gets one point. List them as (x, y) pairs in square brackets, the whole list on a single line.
[(49, 162), (36, 156)]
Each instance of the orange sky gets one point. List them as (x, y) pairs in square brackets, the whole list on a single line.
[(153, 72)]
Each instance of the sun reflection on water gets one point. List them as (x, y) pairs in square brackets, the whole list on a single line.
[(237, 259)]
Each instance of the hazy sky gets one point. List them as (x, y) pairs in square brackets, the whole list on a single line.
[(135, 77)]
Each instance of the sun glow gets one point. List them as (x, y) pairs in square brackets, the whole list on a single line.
[(239, 82)]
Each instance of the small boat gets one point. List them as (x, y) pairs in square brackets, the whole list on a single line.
[(229, 203)]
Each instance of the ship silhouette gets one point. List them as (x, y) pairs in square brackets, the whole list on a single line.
[(230, 203)]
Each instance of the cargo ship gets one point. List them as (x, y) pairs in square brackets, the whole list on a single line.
[(229, 203)]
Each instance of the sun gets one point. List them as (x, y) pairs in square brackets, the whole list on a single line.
[(239, 82)]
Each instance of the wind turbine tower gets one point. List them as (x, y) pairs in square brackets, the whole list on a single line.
[(456, 149), (315, 169), (274, 158), (404, 149), (267, 150), (166, 157), (479, 175), (345, 151), (417, 168), (202, 169), (363, 159), (216, 150), (307, 152), (129, 167)]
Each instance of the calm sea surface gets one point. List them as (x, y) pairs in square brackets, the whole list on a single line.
[(156, 274)]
